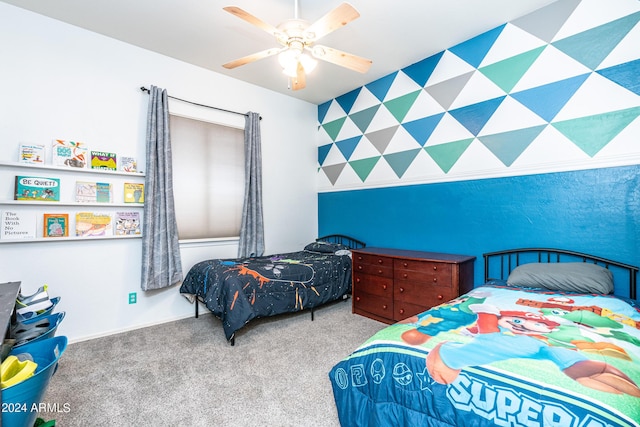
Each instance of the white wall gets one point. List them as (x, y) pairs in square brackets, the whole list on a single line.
[(60, 81)]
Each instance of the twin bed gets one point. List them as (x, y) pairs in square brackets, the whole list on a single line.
[(542, 343), (239, 290)]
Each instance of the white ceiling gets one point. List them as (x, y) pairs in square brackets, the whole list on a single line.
[(392, 33)]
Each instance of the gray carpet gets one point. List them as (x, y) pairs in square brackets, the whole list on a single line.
[(184, 373)]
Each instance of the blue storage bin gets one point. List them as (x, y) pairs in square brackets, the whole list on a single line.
[(54, 321), (20, 402), (48, 311)]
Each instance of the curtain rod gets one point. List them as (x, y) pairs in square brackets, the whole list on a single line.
[(144, 89)]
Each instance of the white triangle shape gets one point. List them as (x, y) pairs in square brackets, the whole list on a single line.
[(593, 13), (625, 144), (323, 181), (334, 157), (323, 137), (476, 158), (348, 178), (348, 130), (382, 120), (449, 66), (402, 85), (551, 66), (448, 130), (550, 147), (511, 42), (423, 168), (364, 150), (364, 100), (597, 95), (401, 141), (382, 174), (478, 89), (625, 51), (424, 106), (511, 115), (334, 112)]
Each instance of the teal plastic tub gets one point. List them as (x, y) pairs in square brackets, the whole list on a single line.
[(21, 401), (54, 321)]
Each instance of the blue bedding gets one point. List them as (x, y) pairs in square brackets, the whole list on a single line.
[(501, 356)]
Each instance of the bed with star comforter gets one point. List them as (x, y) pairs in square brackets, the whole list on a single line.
[(502, 354), (239, 290)]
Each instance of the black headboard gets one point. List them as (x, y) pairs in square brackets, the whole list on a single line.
[(350, 242), (498, 265)]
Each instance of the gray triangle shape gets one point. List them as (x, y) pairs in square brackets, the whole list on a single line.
[(333, 172), (447, 91), (546, 22), (381, 138)]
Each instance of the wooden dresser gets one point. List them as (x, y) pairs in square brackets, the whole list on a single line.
[(392, 284)]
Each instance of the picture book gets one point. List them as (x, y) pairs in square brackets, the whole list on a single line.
[(128, 164), (127, 223), (56, 225), (90, 224), (69, 153), (33, 188), (103, 192), (15, 224), (133, 192), (103, 160), (31, 154), (86, 192)]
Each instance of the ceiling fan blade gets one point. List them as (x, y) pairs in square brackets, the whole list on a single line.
[(251, 58), (242, 14), (337, 18), (300, 81), (343, 59)]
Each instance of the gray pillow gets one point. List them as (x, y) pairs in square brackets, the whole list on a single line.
[(570, 277)]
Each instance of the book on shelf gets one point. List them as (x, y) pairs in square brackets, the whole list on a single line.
[(128, 164), (16, 224), (89, 224), (33, 188), (103, 160), (133, 192), (93, 192), (31, 154), (127, 223), (55, 225), (69, 153)]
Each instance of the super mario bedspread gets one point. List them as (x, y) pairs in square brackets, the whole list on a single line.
[(239, 290), (499, 356)]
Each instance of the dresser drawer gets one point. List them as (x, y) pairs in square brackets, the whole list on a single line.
[(381, 286), (425, 272), (373, 269), (421, 294), (404, 309), (375, 304)]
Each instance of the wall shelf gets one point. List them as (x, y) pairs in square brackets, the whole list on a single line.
[(79, 204), (67, 239), (70, 169)]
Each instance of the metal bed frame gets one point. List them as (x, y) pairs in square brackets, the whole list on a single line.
[(348, 241), (509, 259)]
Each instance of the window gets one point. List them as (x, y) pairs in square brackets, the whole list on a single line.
[(208, 178)]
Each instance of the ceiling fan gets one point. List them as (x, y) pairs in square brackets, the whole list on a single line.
[(298, 38)]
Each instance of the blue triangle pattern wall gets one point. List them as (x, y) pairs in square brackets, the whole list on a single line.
[(555, 90)]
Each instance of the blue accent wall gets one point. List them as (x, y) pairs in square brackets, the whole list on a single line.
[(596, 211)]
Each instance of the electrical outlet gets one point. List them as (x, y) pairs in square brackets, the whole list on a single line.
[(133, 298)]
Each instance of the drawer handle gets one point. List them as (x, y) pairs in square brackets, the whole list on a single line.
[(379, 271), (405, 264), (401, 290), (359, 257), (358, 280), (379, 261), (401, 311), (359, 267), (405, 275), (384, 306), (357, 298), (384, 287), (435, 267), (440, 297), (435, 279)]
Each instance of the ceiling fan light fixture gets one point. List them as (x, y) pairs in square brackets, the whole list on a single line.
[(308, 63)]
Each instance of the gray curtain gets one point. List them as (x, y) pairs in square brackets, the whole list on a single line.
[(252, 226), (161, 264)]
